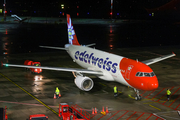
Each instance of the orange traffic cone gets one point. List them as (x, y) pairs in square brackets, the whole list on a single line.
[(92, 111), (59, 94), (107, 109), (103, 112), (54, 96), (95, 110), (103, 109)]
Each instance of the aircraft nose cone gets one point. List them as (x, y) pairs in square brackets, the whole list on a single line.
[(153, 85)]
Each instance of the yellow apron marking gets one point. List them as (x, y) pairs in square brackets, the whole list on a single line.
[(102, 84), (29, 94), (131, 97), (119, 91), (154, 102), (154, 107), (158, 102)]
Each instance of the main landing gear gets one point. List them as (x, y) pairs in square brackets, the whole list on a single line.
[(138, 97)]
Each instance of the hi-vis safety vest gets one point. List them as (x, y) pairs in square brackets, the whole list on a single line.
[(57, 91), (115, 89), (168, 92)]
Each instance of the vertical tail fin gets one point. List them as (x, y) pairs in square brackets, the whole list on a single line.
[(71, 33)]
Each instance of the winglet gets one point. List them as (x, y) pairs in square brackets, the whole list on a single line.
[(173, 53), (71, 33)]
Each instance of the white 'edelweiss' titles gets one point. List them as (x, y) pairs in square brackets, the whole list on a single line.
[(100, 62)]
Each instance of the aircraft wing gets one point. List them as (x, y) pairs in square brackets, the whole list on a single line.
[(58, 69), (154, 60)]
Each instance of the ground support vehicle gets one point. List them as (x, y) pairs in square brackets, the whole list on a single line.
[(33, 70), (73, 112), (3, 113), (38, 117)]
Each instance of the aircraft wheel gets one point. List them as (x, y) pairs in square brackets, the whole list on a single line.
[(138, 97)]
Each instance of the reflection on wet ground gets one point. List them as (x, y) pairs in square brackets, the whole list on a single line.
[(20, 42), (43, 85), (26, 38)]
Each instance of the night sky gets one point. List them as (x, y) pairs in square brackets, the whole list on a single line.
[(82, 8)]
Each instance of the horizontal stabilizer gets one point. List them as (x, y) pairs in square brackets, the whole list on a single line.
[(16, 17), (53, 47), (91, 44)]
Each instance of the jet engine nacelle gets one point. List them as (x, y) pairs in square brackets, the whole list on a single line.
[(84, 83)]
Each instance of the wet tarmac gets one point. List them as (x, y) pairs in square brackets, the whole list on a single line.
[(25, 93)]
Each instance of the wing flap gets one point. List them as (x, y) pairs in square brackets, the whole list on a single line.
[(154, 60)]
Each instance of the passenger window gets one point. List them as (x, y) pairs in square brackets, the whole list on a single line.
[(108, 66), (100, 62)]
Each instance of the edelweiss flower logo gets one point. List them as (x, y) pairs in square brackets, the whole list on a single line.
[(129, 68), (70, 32)]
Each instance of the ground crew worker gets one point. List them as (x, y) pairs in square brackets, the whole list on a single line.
[(115, 91), (168, 94), (57, 91)]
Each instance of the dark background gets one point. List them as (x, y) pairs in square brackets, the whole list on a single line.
[(25, 38), (133, 9)]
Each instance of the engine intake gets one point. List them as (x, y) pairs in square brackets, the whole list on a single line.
[(84, 83)]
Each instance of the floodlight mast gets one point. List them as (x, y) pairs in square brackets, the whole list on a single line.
[(4, 10), (111, 8)]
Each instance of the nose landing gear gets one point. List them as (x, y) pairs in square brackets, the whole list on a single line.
[(138, 97)]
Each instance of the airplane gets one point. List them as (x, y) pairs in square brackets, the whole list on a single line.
[(20, 19), (106, 66)]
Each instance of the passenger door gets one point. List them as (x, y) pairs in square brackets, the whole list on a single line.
[(128, 71)]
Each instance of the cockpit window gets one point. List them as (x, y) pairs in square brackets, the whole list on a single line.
[(141, 74), (137, 73), (147, 74), (152, 74)]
